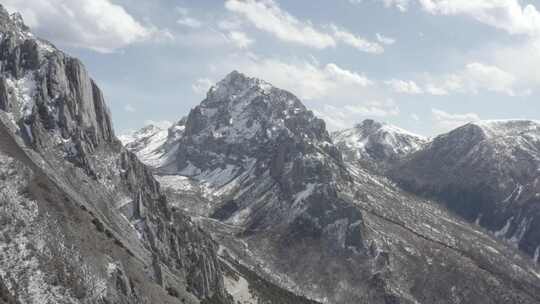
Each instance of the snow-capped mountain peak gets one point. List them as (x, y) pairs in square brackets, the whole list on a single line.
[(239, 109), (235, 85), (145, 132), (244, 127), (376, 144)]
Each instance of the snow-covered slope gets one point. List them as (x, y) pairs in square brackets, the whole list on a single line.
[(376, 145), (488, 172), (153, 144), (260, 172)]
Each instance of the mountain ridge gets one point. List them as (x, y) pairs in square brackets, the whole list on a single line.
[(488, 173), (90, 217)]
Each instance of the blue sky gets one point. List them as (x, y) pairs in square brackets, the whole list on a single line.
[(424, 65)]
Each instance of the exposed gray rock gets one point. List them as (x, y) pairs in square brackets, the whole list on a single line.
[(487, 172), (86, 220)]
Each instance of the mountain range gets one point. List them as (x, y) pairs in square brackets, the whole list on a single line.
[(250, 199), (318, 213)]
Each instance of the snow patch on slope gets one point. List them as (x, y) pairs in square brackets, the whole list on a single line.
[(150, 143), (239, 290), (23, 90)]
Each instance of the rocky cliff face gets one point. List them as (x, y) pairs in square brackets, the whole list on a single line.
[(83, 221), (487, 172), (376, 145), (260, 172)]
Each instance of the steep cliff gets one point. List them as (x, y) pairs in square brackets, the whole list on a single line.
[(85, 221)]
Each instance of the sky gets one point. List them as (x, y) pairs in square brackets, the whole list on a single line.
[(424, 65)]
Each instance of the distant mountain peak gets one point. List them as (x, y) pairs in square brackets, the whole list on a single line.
[(511, 127), (372, 126), (237, 85), (376, 144), (235, 79)]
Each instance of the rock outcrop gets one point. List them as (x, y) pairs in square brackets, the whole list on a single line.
[(83, 220), (488, 173)]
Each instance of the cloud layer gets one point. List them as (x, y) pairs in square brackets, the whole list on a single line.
[(445, 121), (474, 78), (266, 15), (508, 15), (99, 25)]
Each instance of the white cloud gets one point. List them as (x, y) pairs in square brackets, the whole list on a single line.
[(129, 108), (489, 77), (374, 108), (230, 24), (415, 117), (475, 77), (446, 121), (240, 39), (521, 60), (511, 16), (405, 87), (210, 38), (186, 19), (202, 85), (401, 5), (266, 15), (99, 25), (345, 76), (508, 15), (434, 90), (356, 41), (189, 22), (385, 40)]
